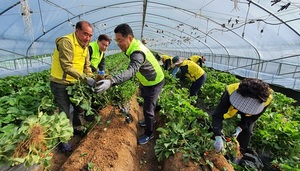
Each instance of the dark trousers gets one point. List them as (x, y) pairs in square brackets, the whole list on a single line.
[(63, 103), (245, 137), (150, 95), (195, 87)]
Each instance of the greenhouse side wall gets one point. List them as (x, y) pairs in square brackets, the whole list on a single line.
[(277, 72), (24, 66), (273, 72)]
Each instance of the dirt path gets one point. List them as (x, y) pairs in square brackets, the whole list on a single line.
[(110, 146)]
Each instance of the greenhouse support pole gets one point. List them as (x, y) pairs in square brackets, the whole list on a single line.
[(42, 59), (15, 64), (228, 63), (27, 67), (295, 80), (258, 68), (294, 76)]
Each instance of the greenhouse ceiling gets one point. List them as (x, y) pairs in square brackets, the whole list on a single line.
[(266, 30)]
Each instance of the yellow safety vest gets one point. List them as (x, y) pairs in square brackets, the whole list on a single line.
[(96, 56), (136, 45), (194, 70), (78, 61), (231, 110), (195, 58), (165, 57)]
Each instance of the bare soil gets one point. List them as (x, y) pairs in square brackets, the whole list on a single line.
[(112, 146)]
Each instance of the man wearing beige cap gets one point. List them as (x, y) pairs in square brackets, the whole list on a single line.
[(250, 98)]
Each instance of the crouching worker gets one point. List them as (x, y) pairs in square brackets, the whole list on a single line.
[(250, 98), (198, 59), (192, 71)]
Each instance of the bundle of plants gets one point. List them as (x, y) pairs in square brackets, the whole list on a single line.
[(32, 143)]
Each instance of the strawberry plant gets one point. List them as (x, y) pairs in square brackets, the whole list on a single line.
[(276, 133), (211, 93), (33, 141), (81, 94), (84, 95), (182, 132), (25, 99), (185, 129)]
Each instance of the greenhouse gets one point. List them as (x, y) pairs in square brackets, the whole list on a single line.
[(249, 38), (242, 38)]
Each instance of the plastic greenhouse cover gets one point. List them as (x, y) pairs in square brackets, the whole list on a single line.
[(264, 30)]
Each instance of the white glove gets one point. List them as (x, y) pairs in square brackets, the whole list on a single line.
[(102, 85), (90, 81), (218, 144), (238, 130)]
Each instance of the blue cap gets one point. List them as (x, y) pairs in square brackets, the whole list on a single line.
[(175, 59)]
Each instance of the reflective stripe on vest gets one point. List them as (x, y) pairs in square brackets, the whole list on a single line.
[(78, 61)]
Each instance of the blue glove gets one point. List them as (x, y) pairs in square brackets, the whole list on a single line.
[(218, 144), (101, 72), (102, 85), (90, 81), (238, 130)]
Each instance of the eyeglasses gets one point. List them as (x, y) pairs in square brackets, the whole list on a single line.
[(86, 34)]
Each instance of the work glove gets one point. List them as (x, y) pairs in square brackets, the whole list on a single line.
[(102, 85), (90, 81), (218, 144), (238, 130), (101, 72), (175, 70)]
